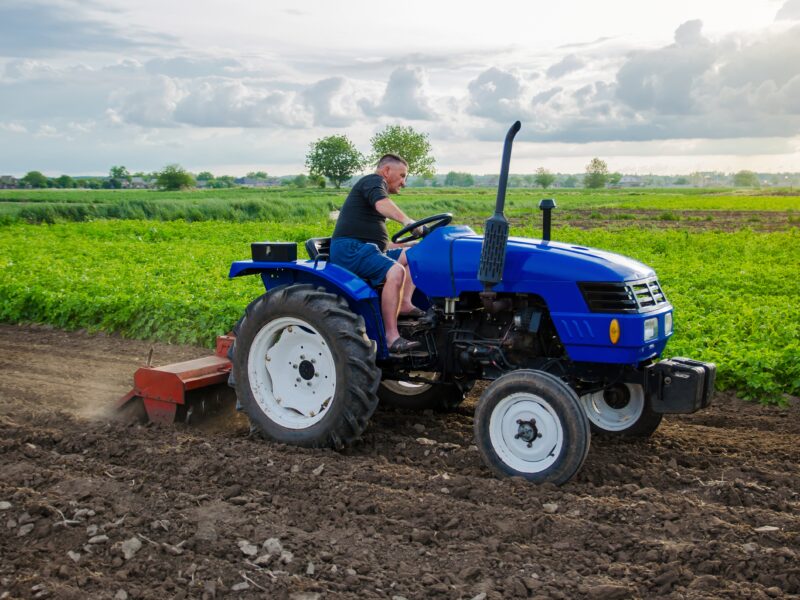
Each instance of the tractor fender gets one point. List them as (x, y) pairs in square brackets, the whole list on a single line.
[(363, 299)]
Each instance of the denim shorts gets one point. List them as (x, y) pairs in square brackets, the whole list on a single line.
[(364, 259)]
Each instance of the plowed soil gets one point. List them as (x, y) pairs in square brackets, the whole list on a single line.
[(91, 507)]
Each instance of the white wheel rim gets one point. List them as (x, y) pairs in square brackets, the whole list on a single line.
[(292, 373), (609, 418), (524, 456), (409, 388)]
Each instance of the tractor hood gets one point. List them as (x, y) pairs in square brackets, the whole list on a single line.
[(531, 265)]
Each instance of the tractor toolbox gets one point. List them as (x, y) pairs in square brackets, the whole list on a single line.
[(273, 251)]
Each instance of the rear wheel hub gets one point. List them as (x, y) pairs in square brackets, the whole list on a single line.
[(306, 370), (527, 431)]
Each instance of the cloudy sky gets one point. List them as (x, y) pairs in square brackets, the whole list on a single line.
[(236, 85)]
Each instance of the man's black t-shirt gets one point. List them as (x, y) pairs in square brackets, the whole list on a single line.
[(358, 218)]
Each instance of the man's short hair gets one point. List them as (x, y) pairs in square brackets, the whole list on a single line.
[(391, 159)]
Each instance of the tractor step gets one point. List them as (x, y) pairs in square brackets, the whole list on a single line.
[(163, 389)]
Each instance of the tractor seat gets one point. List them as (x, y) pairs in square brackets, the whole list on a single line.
[(318, 248)]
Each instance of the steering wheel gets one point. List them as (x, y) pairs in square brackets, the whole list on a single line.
[(439, 220)]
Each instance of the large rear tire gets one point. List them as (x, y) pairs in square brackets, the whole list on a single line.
[(409, 395), (530, 424), (304, 368), (621, 411)]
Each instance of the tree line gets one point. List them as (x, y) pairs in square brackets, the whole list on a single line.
[(335, 158)]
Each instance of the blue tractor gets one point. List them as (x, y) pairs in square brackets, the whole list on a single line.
[(569, 337)]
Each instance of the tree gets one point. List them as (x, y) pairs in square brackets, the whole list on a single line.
[(614, 178), (91, 184), (257, 175), (223, 181), (65, 181), (745, 179), (334, 157), (456, 179), (413, 146), (34, 179), (544, 178), (300, 181), (174, 177), (116, 176), (596, 174), (119, 172), (317, 180), (570, 181), (205, 176)]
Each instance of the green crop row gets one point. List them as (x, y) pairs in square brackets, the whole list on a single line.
[(299, 205), (735, 294)]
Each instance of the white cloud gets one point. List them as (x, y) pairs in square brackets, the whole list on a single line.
[(47, 131), (566, 65), (404, 97), (191, 67), (497, 95), (333, 102), (13, 128), (790, 11), (731, 87), (227, 103), (152, 105)]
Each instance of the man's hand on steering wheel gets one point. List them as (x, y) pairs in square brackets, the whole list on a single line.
[(419, 230)]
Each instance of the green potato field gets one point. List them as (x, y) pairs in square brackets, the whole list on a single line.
[(727, 262)]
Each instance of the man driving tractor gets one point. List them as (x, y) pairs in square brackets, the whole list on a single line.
[(360, 243)]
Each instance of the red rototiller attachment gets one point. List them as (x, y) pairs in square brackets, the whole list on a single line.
[(166, 391)]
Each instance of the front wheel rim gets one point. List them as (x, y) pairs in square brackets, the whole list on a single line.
[(292, 373), (610, 418), (526, 433)]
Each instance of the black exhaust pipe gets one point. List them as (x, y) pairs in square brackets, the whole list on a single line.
[(495, 236), (546, 206)]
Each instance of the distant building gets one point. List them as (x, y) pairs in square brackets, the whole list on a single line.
[(138, 183), (8, 182), (631, 181), (257, 183)]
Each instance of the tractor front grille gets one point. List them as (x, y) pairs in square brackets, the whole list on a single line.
[(623, 296)]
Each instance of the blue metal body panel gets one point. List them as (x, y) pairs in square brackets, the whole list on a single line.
[(363, 300), (445, 265)]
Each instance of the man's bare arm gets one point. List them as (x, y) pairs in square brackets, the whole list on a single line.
[(390, 210)]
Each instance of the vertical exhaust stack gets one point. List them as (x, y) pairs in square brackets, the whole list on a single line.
[(546, 206), (495, 236)]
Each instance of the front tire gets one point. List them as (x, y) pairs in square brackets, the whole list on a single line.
[(530, 424), (622, 410), (304, 368)]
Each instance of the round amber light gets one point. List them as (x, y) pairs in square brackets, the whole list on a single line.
[(613, 331)]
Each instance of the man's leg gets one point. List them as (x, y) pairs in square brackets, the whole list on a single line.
[(390, 301), (408, 289)]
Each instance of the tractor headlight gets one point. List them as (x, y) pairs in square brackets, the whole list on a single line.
[(650, 329), (668, 323)]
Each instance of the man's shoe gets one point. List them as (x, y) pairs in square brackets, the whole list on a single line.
[(414, 313), (403, 346)]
